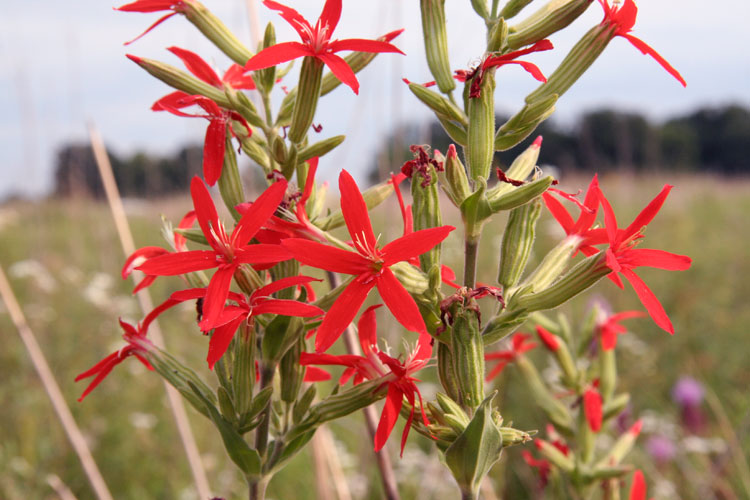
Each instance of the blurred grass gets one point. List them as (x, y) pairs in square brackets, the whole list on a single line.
[(128, 423)]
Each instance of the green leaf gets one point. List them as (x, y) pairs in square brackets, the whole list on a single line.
[(472, 454)]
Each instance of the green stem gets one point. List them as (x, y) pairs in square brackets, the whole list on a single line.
[(257, 489), (261, 434), (471, 249)]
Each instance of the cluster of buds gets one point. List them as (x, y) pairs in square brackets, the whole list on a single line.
[(260, 312)]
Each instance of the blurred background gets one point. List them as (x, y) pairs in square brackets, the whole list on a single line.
[(63, 67)]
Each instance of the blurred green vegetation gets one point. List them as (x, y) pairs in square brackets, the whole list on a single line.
[(64, 260)]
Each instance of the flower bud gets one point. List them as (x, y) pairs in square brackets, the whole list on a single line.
[(513, 7), (453, 178), (438, 104), (266, 78), (436, 43), (518, 240), (456, 132), (446, 374), (559, 349), (320, 148), (513, 436), (481, 131), (344, 403), (583, 275), (230, 182), (551, 18), (291, 372), (553, 264), (607, 373), (226, 407), (523, 123), (525, 163), (278, 149), (243, 369), (480, 7), (581, 56), (503, 325), (306, 103), (621, 447), (257, 153), (216, 31), (247, 279), (554, 455), (303, 405), (497, 36), (412, 278), (552, 407), (468, 356), (181, 80), (518, 196)]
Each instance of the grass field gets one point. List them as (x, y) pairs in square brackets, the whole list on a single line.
[(64, 259)]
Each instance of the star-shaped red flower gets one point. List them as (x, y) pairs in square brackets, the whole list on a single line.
[(317, 43), (369, 263)]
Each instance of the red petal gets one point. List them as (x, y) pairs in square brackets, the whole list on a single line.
[(186, 223), (340, 70), (648, 213), (342, 313), (400, 303), (362, 45), (213, 150), (235, 77), (291, 16), (638, 488), (354, 209), (532, 68), (286, 307), (277, 54), (559, 212), (414, 244), (648, 50), (144, 253), (261, 253), (610, 221), (309, 358), (393, 403), (197, 66), (280, 284), (216, 296), (314, 374), (258, 213), (205, 211), (173, 264), (367, 327), (312, 253), (330, 16), (649, 300), (171, 102), (220, 340), (147, 6), (547, 338), (592, 407), (157, 23), (646, 257)]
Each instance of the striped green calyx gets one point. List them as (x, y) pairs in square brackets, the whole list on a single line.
[(308, 92), (436, 43)]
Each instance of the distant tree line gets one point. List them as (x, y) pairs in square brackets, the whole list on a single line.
[(709, 139), (139, 175)]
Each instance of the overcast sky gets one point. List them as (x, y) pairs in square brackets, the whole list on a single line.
[(63, 64)]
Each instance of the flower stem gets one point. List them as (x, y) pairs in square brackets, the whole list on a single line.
[(471, 249), (261, 434)]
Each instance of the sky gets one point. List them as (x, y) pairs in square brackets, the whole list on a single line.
[(63, 65)]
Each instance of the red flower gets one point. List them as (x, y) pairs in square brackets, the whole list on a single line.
[(369, 263), (145, 253), (177, 6), (548, 338), (623, 257), (376, 364), (610, 327), (592, 408), (581, 227), (622, 18), (317, 43), (542, 465), (492, 61), (228, 251), (245, 308), (638, 487), (214, 144), (519, 346), (137, 346)]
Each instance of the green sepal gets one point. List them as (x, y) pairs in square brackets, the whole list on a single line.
[(302, 405), (230, 182), (513, 7), (194, 235), (523, 123), (503, 325), (473, 453), (258, 404), (213, 29), (455, 131)]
